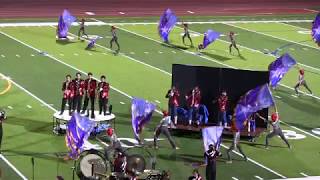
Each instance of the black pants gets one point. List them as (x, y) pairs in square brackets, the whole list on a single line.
[(276, 132), (63, 104), (235, 146), (303, 83), (77, 101), (188, 36), (103, 105), (115, 40), (81, 30), (211, 171), (1, 133), (233, 44), (164, 130), (86, 103)]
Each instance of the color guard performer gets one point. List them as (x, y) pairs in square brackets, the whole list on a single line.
[(79, 86), (103, 91), (235, 143), (186, 34), (90, 94), (233, 42), (2, 118), (114, 39), (301, 82), (82, 31), (68, 94)]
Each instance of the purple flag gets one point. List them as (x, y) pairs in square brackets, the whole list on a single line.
[(253, 101), (68, 18), (92, 42), (78, 131), (279, 67), (316, 29), (141, 114), (62, 28), (209, 37), (212, 135), (167, 22)]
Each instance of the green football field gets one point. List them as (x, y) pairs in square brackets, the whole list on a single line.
[(143, 69)]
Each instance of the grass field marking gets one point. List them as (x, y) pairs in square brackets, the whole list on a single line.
[(41, 24), (10, 107), (295, 26), (258, 177), (210, 59), (52, 57), (9, 84), (303, 174), (303, 131), (28, 106), (28, 92), (13, 167), (3, 56), (234, 178), (255, 162), (283, 39)]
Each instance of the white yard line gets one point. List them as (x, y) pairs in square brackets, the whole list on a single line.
[(234, 178), (13, 167), (283, 39), (258, 177), (303, 174)]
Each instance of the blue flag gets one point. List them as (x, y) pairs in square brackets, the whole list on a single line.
[(253, 101), (166, 24), (65, 21), (78, 131), (212, 135), (209, 37), (141, 114), (279, 67), (62, 28), (316, 29)]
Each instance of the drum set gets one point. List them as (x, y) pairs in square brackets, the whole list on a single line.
[(93, 165)]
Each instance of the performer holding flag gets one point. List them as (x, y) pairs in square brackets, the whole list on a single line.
[(68, 94), (82, 31), (186, 34), (114, 39), (235, 143), (209, 37), (211, 165), (163, 128), (233, 42), (301, 82)]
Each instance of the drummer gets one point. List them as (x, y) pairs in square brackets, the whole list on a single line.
[(120, 163)]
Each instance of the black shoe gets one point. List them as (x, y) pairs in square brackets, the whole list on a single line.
[(87, 115), (92, 116), (61, 113), (83, 111)]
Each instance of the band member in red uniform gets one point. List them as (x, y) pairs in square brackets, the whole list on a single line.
[(301, 82), (211, 166), (68, 94), (173, 95), (103, 90), (222, 104), (90, 94), (233, 42), (79, 91), (193, 103)]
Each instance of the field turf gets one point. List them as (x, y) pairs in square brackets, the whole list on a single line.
[(143, 69)]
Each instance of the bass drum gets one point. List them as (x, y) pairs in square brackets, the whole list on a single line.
[(90, 164), (136, 164)]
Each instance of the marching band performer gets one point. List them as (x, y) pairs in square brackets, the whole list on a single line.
[(2, 118), (81, 30), (114, 39), (193, 103), (186, 34), (235, 143), (68, 94), (210, 157), (173, 95), (301, 82), (79, 91), (233, 42), (90, 94), (222, 105), (103, 91)]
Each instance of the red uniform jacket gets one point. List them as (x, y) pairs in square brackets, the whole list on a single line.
[(103, 89), (79, 86), (90, 87), (68, 89), (222, 102), (173, 97), (193, 100)]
